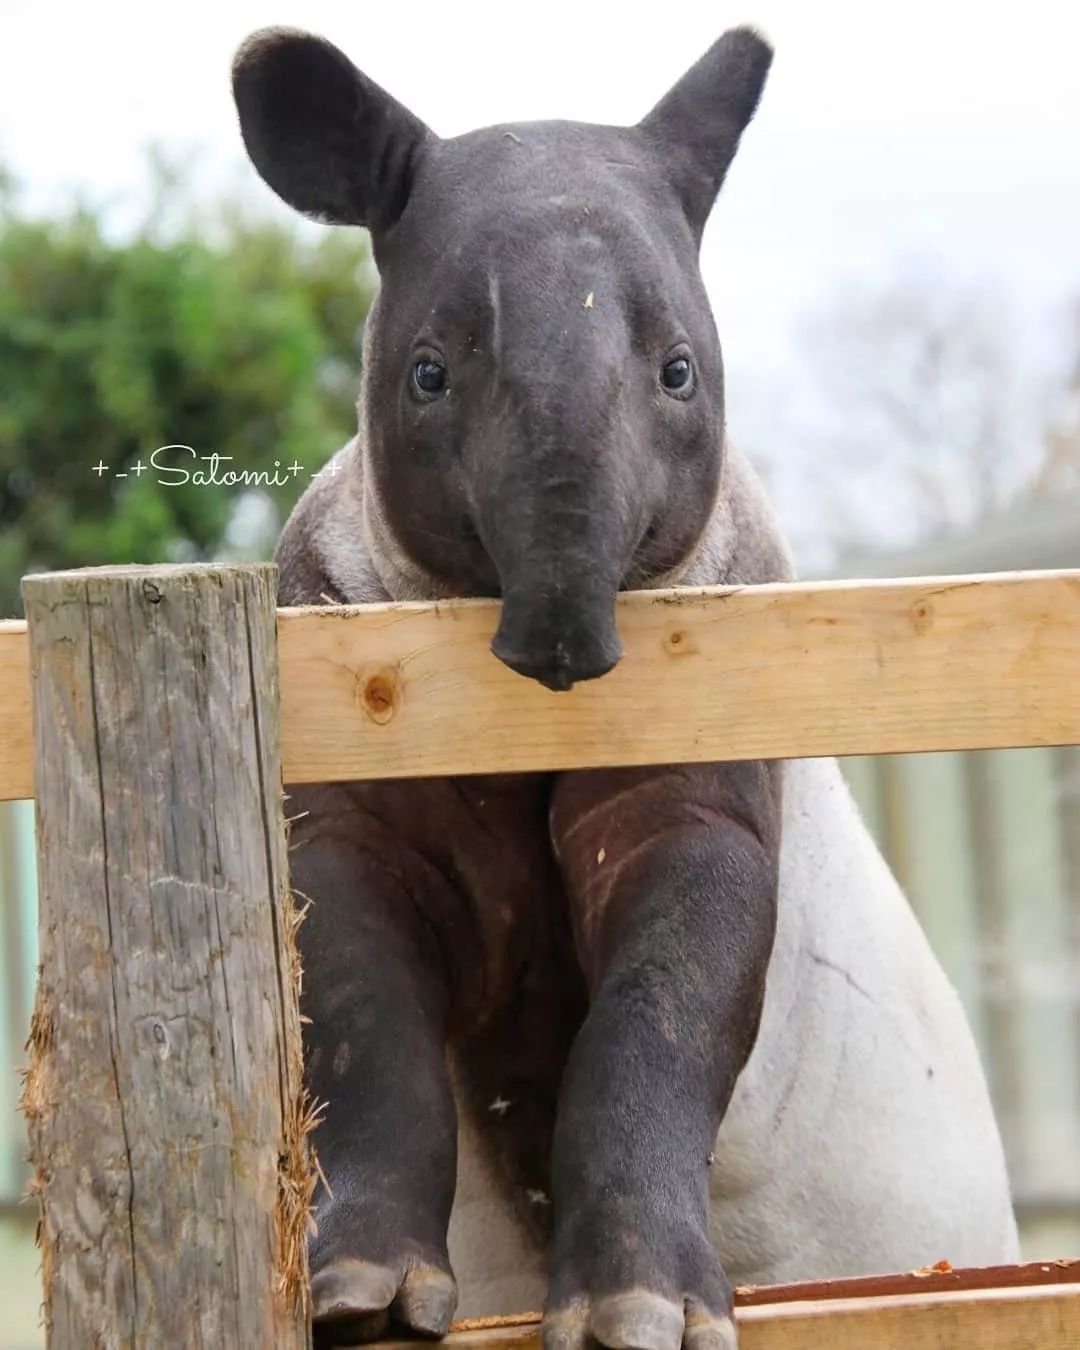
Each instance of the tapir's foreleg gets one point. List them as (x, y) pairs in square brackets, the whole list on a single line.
[(672, 877), (375, 994)]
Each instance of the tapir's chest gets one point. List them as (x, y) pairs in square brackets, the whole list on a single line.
[(510, 871), (476, 859)]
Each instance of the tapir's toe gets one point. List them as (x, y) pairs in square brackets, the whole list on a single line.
[(357, 1301), (345, 1287), (426, 1301), (637, 1320), (705, 1331)]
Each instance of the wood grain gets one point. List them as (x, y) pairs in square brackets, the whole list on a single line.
[(1046, 1318), (16, 736), (837, 668), (165, 1046)]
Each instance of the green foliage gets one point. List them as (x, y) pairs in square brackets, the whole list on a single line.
[(240, 338)]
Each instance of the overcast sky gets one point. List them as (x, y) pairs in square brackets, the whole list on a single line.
[(947, 132)]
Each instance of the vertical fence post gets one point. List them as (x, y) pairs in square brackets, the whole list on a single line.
[(164, 1090)]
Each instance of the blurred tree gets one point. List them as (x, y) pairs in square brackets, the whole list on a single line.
[(1060, 466), (922, 415), (238, 337)]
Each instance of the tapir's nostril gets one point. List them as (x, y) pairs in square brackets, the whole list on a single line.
[(558, 668), (554, 637)]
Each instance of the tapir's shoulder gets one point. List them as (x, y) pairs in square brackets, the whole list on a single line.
[(322, 553)]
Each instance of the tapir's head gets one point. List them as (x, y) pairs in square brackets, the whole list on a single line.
[(543, 402)]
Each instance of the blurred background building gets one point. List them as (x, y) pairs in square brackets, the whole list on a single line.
[(895, 269)]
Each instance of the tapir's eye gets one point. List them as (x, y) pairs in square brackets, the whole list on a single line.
[(429, 379), (677, 375)]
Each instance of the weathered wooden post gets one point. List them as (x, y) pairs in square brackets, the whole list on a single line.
[(164, 1090)]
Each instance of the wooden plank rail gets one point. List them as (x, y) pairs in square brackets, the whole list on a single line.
[(837, 668)]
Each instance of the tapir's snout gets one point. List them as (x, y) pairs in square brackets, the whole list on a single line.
[(558, 542), (557, 644)]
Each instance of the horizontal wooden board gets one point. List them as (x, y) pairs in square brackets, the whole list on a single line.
[(16, 731), (1046, 1318), (781, 671)]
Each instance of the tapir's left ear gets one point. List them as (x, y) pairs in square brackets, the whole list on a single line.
[(327, 139), (697, 125)]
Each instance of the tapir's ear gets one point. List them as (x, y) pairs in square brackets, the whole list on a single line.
[(697, 124), (327, 139)]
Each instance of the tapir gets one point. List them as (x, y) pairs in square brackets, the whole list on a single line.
[(606, 1041)]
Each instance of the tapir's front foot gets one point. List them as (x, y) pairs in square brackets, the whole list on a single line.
[(354, 1301), (672, 889), (635, 1276), (378, 1259), (639, 1320), (375, 1001), (379, 1263), (633, 1267)]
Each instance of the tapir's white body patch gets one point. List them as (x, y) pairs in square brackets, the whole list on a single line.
[(860, 1138)]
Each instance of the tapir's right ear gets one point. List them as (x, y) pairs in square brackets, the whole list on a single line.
[(696, 126), (327, 139)]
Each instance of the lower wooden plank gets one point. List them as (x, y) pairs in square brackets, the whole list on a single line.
[(1034, 1318), (1045, 1318)]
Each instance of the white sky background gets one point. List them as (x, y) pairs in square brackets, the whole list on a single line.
[(947, 132)]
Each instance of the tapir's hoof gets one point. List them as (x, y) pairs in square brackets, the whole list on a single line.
[(357, 1301), (637, 1320)]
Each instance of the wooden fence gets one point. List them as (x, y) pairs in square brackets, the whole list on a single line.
[(165, 1041)]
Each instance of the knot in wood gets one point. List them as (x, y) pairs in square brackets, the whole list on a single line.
[(379, 693), (679, 643)]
